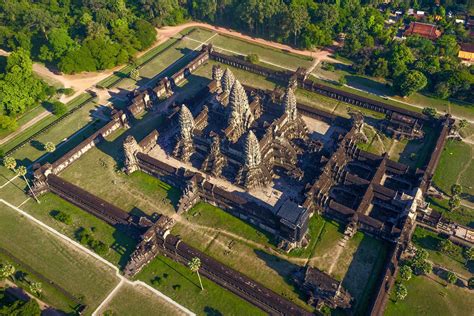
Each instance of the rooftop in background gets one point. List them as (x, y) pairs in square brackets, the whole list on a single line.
[(466, 52), (429, 31)]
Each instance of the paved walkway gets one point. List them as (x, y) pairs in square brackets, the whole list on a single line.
[(100, 259)]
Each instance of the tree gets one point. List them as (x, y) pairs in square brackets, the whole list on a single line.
[(6, 270), (58, 108), (36, 288), (456, 189), (445, 246), (299, 18), (135, 74), (401, 291), (463, 124), (470, 283), (145, 33), (469, 253), (252, 58), (194, 265), (451, 277), (431, 112), (406, 272), (204, 9), (410, 82), (8, 123), (342, 80), (454, 202), (9, 163), (21, 172), (49, 147)]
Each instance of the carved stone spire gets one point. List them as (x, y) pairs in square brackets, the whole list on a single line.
[(217, 73), (130, 147), (215, 161), (184, 147), (227, 80), (253, 173), (253, 156), (289, 101), (186, 122), (239, 106)]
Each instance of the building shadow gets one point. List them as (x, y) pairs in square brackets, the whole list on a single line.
[(285, 269), (354, 278)]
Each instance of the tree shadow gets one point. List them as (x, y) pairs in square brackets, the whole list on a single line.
[(37, 145), (211, 311)]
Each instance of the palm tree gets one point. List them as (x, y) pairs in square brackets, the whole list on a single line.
[(21, 171), (6, 271), (36, 288), (194, 266), (9, 163), (49, 147)]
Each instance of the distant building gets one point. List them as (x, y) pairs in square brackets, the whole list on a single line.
[(429, 31), (466, 52)]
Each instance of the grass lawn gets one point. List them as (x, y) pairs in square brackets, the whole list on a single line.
[(59, 133), (366, 265), (377, 86), (454, 261), (76, 272), (239, 246), (428, 295), (179, 283), (462, 215), (455, 166), (266, 53), (50, 294), (138, 301), (43, 123), (120, 244)]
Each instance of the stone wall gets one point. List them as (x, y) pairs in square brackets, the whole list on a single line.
[(444, 124), (119, 120)]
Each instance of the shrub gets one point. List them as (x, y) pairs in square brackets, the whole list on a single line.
[(401, 291), (58, 108), (62, 217), (451, 277), (406, 272), (328, 66), (469, 253), (66, 91), (342, 80), (99, 247), (177, 287), (431, 112), (252, 58)]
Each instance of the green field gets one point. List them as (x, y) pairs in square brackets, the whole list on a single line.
[(51, 293), (179, 283), (78, 273), (378, 87), (455, 166), (138, 301), (454, 261), (429, 295), (43, 123), (462, 215)]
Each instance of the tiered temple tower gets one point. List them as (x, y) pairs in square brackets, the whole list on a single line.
[(130, 147), (240, 117), (289, 101), (184, 146), (227, 81), (252, 174), (215, 161)]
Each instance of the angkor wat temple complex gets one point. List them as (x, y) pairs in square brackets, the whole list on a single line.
[(255, 155), (269, 160)]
